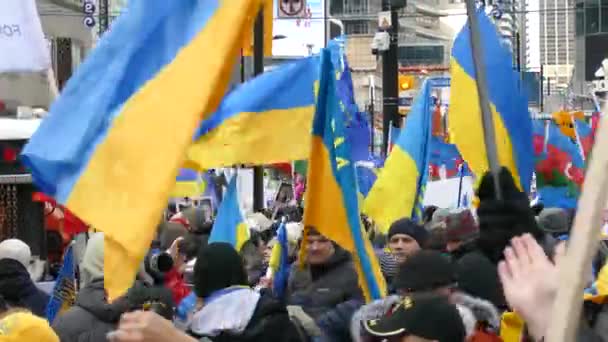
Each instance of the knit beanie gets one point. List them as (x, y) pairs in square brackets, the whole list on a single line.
[(218, 266), (92, 261), (461, 226), (425, 271), (408, 227), (17, 250), (553, 220)]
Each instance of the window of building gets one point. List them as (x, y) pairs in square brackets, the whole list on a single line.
[(592, 16), (356, 27), (604, 15), (421, 55)]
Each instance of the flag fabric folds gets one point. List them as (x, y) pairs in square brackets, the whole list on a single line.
[(64, 292), (331, 195), (113, 142), (398, 192), (512, 122), (230, 226), (264, 121), (188, 183), (279, 262)]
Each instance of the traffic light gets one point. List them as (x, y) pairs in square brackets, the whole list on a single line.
[(406, 82)]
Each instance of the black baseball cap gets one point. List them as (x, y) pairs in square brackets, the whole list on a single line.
[(426, 316), (425, 271)]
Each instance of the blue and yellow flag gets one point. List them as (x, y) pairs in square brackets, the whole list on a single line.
[(230, 225), (279, 262), (113, 142), (264, 121), (64, 292), (189, 183), (398, 192), (512, 122), (331, 195)]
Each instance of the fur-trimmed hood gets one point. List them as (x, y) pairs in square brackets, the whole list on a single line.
[(483, 310)]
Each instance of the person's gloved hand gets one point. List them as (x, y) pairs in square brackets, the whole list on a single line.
[(501, 220)]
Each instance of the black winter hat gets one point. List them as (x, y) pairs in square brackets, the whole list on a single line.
[(424, 271), (218, 266), (430, 317), (477, 276), (411, 228)]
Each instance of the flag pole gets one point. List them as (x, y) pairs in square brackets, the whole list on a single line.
[(52, 80), (489, 134)]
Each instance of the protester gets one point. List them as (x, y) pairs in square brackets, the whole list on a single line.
[(419, 318), (554, 221), (16, 285), (406, 238), (462, 232), (231, 309), (328, 278)]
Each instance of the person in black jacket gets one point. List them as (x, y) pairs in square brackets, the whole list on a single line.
[(232, 311), (18, 289), (328, 278)]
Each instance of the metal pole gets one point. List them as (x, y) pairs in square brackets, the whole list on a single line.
[(542, 91), (390, 70), (104, 16), (258, 68), (484, 103)]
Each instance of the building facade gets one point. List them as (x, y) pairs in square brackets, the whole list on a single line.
[(591, 41)]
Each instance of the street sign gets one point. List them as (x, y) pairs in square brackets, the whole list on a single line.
[(292, 8), (384, 20)]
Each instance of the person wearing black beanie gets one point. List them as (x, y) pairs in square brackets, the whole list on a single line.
[(231, 310), (405, 237)]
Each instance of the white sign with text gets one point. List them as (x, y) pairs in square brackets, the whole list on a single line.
[(22, 43)]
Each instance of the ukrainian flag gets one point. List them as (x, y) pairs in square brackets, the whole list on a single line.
[(279, 262), (266, 120), (189, 183), (398, 192), (64, 292), (230, 226), (331, 194), (113, 142), (512, 122)]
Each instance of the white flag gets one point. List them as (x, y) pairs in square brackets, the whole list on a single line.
[(22, 43)]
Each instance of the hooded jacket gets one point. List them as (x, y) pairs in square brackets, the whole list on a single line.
[(18, 289), (241, 314), (92, 317), (318, 289)]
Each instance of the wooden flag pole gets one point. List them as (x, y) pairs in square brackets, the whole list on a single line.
[(583, 243), (489, 135), (52, 80)]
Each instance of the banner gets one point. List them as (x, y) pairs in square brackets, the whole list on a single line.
[(22, 43)]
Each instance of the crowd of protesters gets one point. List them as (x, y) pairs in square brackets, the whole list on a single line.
[(459, 275)]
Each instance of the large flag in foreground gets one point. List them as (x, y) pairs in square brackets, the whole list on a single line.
[(264, 121), (22, 43), (331, 194), (64, 292), (399, 189), (230, 225), (512, 122), (112, 145)]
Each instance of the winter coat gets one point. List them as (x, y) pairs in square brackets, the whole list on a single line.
[(244, 315), (335, 324), (321, 288), (18, 289), (175, 282), (92, 317)]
